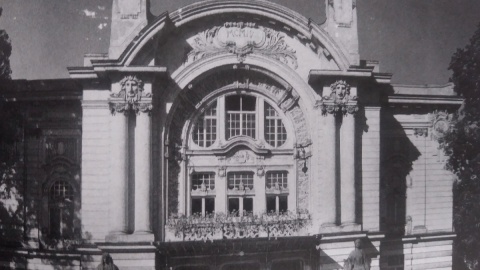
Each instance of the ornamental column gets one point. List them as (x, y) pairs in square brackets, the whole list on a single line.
[(143, 172), (329, 185), (347, 160), (118, 169)]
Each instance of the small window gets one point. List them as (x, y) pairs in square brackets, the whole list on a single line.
[(275, 133), (240, 180), (205, 131), (277, 180), (203, 181)]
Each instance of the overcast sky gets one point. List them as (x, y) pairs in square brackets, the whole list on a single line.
[(413, 39)]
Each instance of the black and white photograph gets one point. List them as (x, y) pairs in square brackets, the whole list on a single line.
[(240, 134)]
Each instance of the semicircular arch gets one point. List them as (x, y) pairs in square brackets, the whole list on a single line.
[(305, 28)]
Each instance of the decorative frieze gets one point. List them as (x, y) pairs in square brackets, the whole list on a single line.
[(242, 39)]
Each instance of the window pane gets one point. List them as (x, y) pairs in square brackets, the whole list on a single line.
[(208, 180), (209, 205), (233, 205), (283, 204), (232, 103), (275, 133), (248, 103), (248, 205), (271, 204), (196, 206)]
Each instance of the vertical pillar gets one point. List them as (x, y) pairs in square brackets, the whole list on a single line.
[(143, 172), (347, 161), (328, 189), (118, 173)]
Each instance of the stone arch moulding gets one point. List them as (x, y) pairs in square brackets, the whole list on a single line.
[(311, 33), (200, 91)]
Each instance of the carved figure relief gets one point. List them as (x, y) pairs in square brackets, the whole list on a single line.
[(129, 98), (339, 100), (242, 39)]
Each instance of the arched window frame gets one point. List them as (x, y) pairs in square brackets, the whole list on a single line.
[(221, 136)]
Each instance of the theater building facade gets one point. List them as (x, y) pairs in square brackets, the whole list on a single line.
[(232, 134)]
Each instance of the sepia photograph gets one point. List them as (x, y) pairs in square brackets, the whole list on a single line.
[(240, 134)]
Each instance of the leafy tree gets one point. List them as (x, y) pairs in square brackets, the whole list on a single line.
[(462, 146), (5, 52)]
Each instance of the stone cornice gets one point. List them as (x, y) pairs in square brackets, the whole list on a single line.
[(425, 100), (367, 72), (100, 71)]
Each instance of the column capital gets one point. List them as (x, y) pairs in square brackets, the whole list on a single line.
[(350, 109), (143, 107)]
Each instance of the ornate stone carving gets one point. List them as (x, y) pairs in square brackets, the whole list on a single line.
[(340, 93), (288, 100), (242, 39), (129, 98), (440, 124), (339, 100), (241, 157)]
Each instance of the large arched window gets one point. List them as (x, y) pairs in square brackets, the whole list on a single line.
[(243, 116), (61, 209)]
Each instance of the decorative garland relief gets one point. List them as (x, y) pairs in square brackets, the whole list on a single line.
[(241, 39)]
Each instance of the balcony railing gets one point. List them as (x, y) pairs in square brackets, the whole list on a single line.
[(231, 226)]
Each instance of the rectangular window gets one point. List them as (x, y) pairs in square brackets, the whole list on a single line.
[(277, 179), (240, 180), (207, 179), (241, 116), (203, 206)]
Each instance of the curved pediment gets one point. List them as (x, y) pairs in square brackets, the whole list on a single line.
[(241, 143), (235, 27)]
